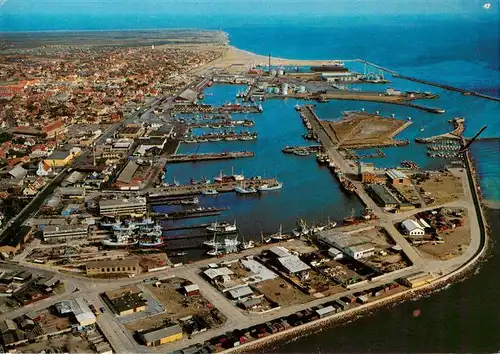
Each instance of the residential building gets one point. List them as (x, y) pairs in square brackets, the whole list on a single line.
[(161, 336), (116, 207)]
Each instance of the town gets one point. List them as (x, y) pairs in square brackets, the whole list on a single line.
[(92, 260)]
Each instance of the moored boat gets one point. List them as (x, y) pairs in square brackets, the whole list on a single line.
[(242, 190), (270, 187), (222, 227), (209, 192)]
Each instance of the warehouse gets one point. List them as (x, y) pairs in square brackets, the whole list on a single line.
[(118, 207), (292, 264), (123, 266), (126, 301), (382, 196), (161, 336), (412, 228), (418, 279), (240, 292), (397, 177), (360, 251), (128, 173), (58, 233)]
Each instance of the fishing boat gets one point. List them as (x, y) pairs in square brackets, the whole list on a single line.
[(222, 227), (215, 252), (120, 239), (237, 177), (155, 242), (272, 187), (178, 254), (242, 190), (279, 236), (130, 226), (231, 138), (248, 245), (209, 192), (110, 223), (301, 230)]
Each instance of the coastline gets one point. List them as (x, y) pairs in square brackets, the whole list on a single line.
[(457, 275)]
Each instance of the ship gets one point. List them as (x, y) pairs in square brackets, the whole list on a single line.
[(279, 236), (335, 67), (242, 190), (222, 227), (209, 192), (272, 187), (155, 242), (248, 245), (120, 239), (301, 230)]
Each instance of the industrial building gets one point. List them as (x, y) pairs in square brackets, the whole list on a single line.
[(126, 177), (11, 245), (161, 336), (360, 251), (382, 196), (124, 266), (117, 207), (151, 143), (62, 233), (292, 264), (239, 292), (412, 228), (418, 279), (187, 96), (61, 158), (340, 76), (397, 177), (126, 301), (77, 307), (131, 131)]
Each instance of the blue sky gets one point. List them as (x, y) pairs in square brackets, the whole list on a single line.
[(241, 7)]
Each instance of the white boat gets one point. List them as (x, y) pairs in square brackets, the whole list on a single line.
[(297, 107), (237, 177), (222, 227), (267, 187), (209, 192), (242, 190), (248, 245), (120, 239), (215, 252)]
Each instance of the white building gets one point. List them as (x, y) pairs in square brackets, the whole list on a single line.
[(412, 228), (393, 92), (360, 251), (116, 207)]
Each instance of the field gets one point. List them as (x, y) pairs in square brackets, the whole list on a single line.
[(440, 189), (455, 243), (282, 292)]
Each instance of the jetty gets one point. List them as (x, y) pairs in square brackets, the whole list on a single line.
[(455, 134), (205, 108), (220, 187), (178, 158)]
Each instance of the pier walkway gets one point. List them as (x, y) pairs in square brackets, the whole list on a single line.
[(431, 83), (209, 156)]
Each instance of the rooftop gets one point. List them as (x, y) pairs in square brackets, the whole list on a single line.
[(112, 263), (279, 251), (158, 334), (336, 238), (383, 194), (128, 172), (293, 264), (128, 301), (410, 225), (395, 174), (119, 202), (362, 248), (216, 272)]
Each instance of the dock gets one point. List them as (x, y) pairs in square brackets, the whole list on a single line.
[(455, 134), (220, 187), (186, 227), (178, 158), (205, 108)]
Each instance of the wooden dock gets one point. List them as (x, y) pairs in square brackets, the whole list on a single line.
[(178, 158)]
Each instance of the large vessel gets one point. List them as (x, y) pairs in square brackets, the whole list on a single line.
[(120, 239), (334, 67), (270, 187), (224, 227)]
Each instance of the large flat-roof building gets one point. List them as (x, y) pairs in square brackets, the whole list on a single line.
[(292, 264), (79, 308), (382, 196), (57, 233), (116, 207), (117, 266)]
